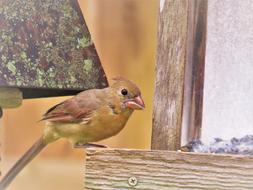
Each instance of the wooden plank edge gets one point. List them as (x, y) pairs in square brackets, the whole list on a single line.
[(155, 169)]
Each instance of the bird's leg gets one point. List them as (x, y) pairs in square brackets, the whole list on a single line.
[(89, 145)]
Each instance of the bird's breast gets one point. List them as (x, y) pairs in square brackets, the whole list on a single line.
[(106, 125), (102, 124)]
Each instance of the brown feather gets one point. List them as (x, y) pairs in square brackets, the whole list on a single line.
[(75, 109)]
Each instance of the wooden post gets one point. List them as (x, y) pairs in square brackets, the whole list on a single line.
[(179, 72), (170, 69), (195, 68)]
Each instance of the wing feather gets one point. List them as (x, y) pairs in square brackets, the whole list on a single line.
[(76, 109)]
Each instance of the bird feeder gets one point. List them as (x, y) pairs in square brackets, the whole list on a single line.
[(45, 50), (179, 89)]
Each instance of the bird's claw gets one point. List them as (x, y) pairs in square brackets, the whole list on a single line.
[(89, 145)]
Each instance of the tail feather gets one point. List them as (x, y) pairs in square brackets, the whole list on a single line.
[(22, 162)]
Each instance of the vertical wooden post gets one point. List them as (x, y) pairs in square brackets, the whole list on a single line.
[(170, 68), (195, 68), (179, 72)]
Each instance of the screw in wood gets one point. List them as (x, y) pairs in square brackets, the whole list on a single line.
[(132, 181)]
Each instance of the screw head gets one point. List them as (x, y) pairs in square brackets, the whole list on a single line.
[(132, 181)]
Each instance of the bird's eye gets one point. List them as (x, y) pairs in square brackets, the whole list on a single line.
[(124, 92)]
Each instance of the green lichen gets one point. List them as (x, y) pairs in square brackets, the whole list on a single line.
[(67, 11), (72, 79), (23, 55), (40, 78), (51, 47), (4, 58), (19, 82), (83, 42), (11, 66), (88, 65), (19, 11)]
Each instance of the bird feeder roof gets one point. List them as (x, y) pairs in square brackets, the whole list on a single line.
[(46, 47)]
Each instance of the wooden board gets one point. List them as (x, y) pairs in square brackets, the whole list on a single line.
[(170, 69), (195, 68), (163, 170), (10, 97), (178, 98)]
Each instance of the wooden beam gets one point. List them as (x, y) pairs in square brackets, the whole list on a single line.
[(10, 97), (170, 69), (195, 68), (152, 170), (180, 69)]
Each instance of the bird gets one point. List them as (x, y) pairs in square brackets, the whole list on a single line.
[(88, 117)]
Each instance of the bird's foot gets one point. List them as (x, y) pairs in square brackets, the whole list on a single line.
[(89, 145)]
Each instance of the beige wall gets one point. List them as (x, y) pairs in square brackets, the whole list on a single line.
[(124, 33)]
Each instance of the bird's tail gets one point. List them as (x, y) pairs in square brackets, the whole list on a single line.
[(22, 162)]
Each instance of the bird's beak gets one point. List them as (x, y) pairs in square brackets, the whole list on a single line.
[(137, 103)]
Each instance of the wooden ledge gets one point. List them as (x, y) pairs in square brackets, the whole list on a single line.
[(152, 170), (10, 97)]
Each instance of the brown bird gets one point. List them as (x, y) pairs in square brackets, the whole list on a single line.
[(88, 117)]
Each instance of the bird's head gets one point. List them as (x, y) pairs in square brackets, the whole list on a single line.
[(128, 93)]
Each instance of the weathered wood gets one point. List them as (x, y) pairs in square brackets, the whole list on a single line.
[(152, 170), (195, 67), (46, 44), (170, 68), (10, 97)]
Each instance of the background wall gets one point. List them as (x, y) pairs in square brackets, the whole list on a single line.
[(124, 33)]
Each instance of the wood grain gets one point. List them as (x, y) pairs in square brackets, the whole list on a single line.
[(195, 67), (170, 68), (111, 169)]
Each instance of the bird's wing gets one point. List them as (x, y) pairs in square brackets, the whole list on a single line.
[(76, 109)]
